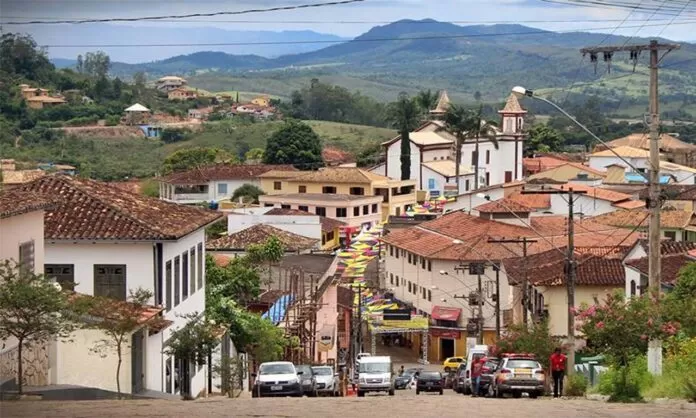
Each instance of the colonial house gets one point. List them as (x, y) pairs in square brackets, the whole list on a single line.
[(565, 172), (349, 184), (673, 149), (468, 200), (427, 265), (212, 183), (103, 241), (237, 242), (537, 164), (673, 256), (38, 98), (182, 94), (169, 83), (262, 101), (636, 159), (591, 201), (431, 142), (675, 225)]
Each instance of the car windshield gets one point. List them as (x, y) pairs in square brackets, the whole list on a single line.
[(375, 367), (282, 368), (491, 364), (322, 371), (430, 375), (522, 364), (306, 370)]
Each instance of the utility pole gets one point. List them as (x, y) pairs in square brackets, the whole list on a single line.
[(479, 299), (569, 266), (654, 201), (496, 267), (525, 279)]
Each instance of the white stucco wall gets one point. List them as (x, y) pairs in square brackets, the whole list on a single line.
[(232, 185), (306, 226), (470, 200), (15, 230), (601, 163), (556, 301), (394, 162), (585, 204), (632, 275)]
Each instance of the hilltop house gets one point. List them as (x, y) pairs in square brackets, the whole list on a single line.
[(345, 190), (213, 183), (103, 241), (674, 149), (169, 83), (182, 94), (38, 98), (432, 147), (262, 101)]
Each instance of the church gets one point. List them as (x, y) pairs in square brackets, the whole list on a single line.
[(433, 153)]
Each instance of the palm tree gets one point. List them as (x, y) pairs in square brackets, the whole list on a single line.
[(465, 124), (426, 100), (405, 117)]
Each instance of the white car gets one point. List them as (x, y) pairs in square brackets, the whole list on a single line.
[(276, 378), (327, 380)]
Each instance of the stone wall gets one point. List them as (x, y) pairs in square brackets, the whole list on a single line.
[(34, 359)]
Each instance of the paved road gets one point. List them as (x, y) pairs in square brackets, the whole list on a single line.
[(404, 404)]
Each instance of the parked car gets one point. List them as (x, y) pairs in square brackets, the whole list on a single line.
[(277, 378), (458, 383), (309, 383), (402, 382), (487, 373), (430, 382), (451, 363), (326, 380), (475, 353), (517, 374)]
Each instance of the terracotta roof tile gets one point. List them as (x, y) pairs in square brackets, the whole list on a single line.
[(91, 210), (673, 192), (595, 192), (281, 174), (13, 177), (258, 234), (667, 143), (624, 151), (534, 201), (537, 164), (668, 247), (16, 202), (670, 265), (630, 204), (503, 205), (676, 219), (222, 172), (327, 224), (350, 175), (512, 105)]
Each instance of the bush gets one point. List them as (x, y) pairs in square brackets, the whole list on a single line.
[(172, 135), (577, 385), (678, 371), (82, 121), (625, 384), (113, 120)]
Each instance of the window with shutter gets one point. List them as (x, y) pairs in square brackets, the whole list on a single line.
[(26, 256), (110, 281), (63, 274)]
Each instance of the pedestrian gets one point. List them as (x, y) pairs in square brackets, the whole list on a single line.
[(558, 365), (476, 369), (401, 370)]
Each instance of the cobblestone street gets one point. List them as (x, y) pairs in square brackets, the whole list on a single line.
[(405, 403)]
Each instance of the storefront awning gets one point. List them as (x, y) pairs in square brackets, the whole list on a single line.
[(445, 313)]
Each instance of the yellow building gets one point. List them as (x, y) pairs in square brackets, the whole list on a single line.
[(396, 195), (263, 101), (568, 171)]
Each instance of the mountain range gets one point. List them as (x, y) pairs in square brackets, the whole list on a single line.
[(412, 55)]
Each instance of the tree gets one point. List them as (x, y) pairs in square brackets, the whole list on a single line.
[(248, 192), (254, 154), (537, 339), (118, 320), (192, 344), (97, 64), (294, 143), (238, 281), (172, 135), (426, 100), (543, 139), (21, 56), (139, 81), (466, 124), (405, 117), (188, 158), (80, 65), (32, 309), (269, 253), (477, 96)]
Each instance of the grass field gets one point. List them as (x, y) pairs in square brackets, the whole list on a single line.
[(121, 158)]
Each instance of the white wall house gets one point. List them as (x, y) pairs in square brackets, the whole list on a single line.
[(673, 254), (213, 183), (306, 224), (104, 241), (637, 159), (682, 174), (432, 143)]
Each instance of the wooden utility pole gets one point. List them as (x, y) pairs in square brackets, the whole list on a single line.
[(654, 201), (569, 266), (496, 267), (525, 279)]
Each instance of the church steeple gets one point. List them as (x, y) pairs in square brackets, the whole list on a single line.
[(512, 116), (443, 103)]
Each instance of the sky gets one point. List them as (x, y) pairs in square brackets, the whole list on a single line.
[(353, 19)]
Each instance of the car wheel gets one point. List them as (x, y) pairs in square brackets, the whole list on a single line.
[(361, 394), (467, 390), (417, 392), (498, 393), (516, 394), (442, 392), (391, 392), (533, 395)]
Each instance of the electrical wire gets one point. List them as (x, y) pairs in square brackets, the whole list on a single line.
[(186, 16)]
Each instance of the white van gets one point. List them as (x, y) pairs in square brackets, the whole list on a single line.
[(475, 353), (375, 374)]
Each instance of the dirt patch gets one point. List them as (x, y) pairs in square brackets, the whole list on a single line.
[(104, 131)]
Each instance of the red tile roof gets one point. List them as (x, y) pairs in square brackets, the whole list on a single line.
[(674, 219), (595, 192), (534, 201), (537, 164), (258, 234), (216, 172), (327, 224), (670, 265), (630, 204), (503, 205), (92, 210), (16, 202)]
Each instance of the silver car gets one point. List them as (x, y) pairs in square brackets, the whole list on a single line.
[(326, 380)]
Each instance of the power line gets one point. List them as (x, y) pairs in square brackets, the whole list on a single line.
[(598, 4), (186, 16), (414, 38)]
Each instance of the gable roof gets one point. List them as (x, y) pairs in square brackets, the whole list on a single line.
[(90, 210), (348, 175), (503, 205), (533, 201), (281, 174), (670, 265), (447, 168), (16, 202), (222, 171), (137, 108), (327, 224), (542, 163), (512, 105), (671, 219), (556, 173), (595, 192), (428, 138), (443, 103), (639, 140), (258, 234), (623, 151)]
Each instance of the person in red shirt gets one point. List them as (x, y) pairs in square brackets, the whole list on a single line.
[(476, 369), (558, 365)]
